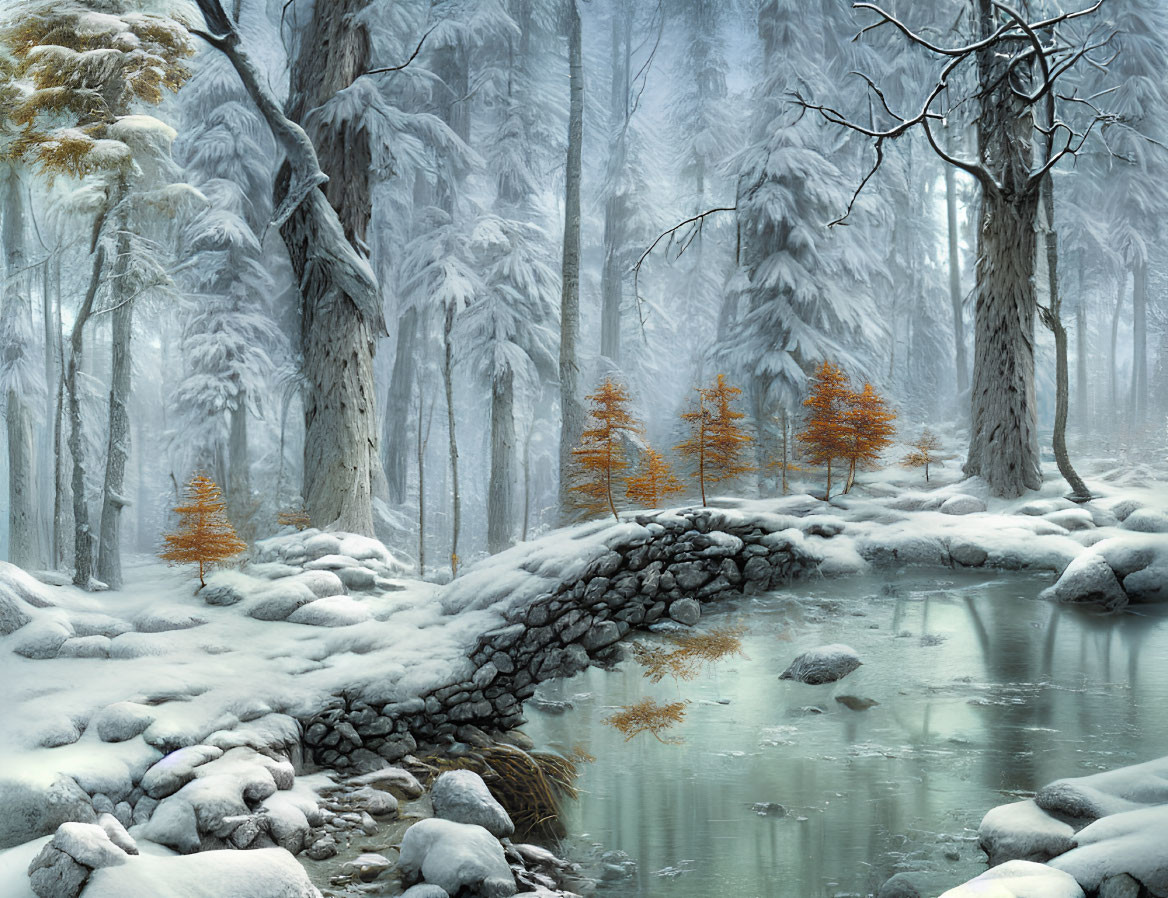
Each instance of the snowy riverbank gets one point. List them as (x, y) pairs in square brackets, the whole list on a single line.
[(184, 717)]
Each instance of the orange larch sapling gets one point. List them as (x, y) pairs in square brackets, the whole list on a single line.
[(204, 535), (869, 428), (654, 480), (925, 451), (824, 433), (600, 457), (717, 443)]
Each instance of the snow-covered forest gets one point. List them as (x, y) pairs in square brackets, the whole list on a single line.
[(426, 310)]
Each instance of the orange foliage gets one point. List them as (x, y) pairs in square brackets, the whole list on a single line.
[(654, 481), (204, 535), (868, 422), (716, 443), (294, 517), (926, 451), (600, 456), (825, 434)]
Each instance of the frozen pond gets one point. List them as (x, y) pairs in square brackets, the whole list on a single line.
[(983, 693)]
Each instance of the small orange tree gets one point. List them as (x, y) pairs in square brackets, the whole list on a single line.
[(204, 535), (654, 480), (925, 451), (824, 433), (869, 429), (600, 457), (716, 442)]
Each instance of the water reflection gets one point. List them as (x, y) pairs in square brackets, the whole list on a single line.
[(983, 692)]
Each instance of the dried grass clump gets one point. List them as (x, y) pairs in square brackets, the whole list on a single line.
[(692, 653), (646, 716)]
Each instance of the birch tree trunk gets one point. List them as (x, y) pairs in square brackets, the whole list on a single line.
[(239, 505), (1138, 401), (22, 504), (500, 488), (448, 384), (109, 553), (615, 212), (395, 428), (1113, 356), (571, 409), (1082, 391)]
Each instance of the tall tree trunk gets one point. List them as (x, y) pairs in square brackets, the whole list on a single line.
[(571, 409), (239, 503), (396, 424), (615, 213), (1003, 446), (22, 499), (500, 515), (421, 459), (955, 296), (1114, 354), (1052, 318), (1139, 388), (337, 326), (448, 384), (113, 497), (62, 499), (527, 479), (1082, 392)]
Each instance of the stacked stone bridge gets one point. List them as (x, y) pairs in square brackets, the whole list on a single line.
[(566, 609)]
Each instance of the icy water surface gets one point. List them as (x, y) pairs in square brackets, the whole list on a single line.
[(984, 694)]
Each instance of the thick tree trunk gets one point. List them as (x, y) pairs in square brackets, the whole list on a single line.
[(1113, 358), (955, 296), (1003, 446), (448, 384), (571, 409), (22, 498), (109, 555), (500, 514), (1138, 401), (421, 459), (1082, 391), (62, 498), (239, 503)]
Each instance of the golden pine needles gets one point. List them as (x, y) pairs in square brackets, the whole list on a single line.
[(647, 716), (204, 535), (693, 653), (600, 457), (654, 480), (294, 517), (716, 444), (926, 451)]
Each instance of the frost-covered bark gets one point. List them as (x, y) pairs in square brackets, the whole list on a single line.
[(955, 297), (109, 554), (1139, 386), (571, 409), (239, 504), (499, 492), (341, 306), (15, 345), (615, 206), (394, 442)]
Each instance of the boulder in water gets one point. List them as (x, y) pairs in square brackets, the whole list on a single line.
[(824, 664)]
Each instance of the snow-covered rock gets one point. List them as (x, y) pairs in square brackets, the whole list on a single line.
[(121, 721), (177, 769), (425, 890), (396, 779), (685, 611), (454, 856), (462, 796), (263, 873), (1088, 579), (1023, 831), (1132, 843), (1146, 520), (65, 863), (824, 664), (1072, 519), (41, 637), (1110, 792), (962, 504), (332, 611), (34, 808), (366, 867), (1019, 879)]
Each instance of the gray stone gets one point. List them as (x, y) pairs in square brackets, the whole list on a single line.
[(686, 611), (1146, 520), (116, 830), (1120, 886), (425, 890), (456, 856), (358, 578), (600, 635), (962, 504), (757, 569), (1148, 585), (485, 675), (33, 809), (902, 885), (823, 664), (1088, 579), (177, 769), (966, 553), (89, 845), (221, 594), (462, 796), (54, 874), (323, 848), (690, 575), (121, 721)]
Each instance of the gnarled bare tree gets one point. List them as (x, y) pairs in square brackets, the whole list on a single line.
[(1026, 126)]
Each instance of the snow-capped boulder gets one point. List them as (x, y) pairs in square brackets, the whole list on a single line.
[(455, 856), (1023, 831), (462, 796), (322, 583), (33, 809), (901, 885), (280, 599), (1072, 519), (42, 637), (62, 867), (962, 504), (1088, 579), (1146, 520), (395, 779), (95, 646), (320, 545), (121, 721), (332, 611), (1130, 844), (1146, 586), (1110, 792), (967, 553), (824, 664), (177, 769), (366, 867), (1019, 879), (117, 833), (425, 890), (262, 873)]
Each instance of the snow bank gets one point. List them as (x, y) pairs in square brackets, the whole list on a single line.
[(1019, 879), (263, 873)]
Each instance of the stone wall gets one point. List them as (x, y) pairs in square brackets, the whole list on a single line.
[(668, 566)]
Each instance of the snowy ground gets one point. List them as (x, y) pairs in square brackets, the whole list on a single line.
[(102, 686)]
